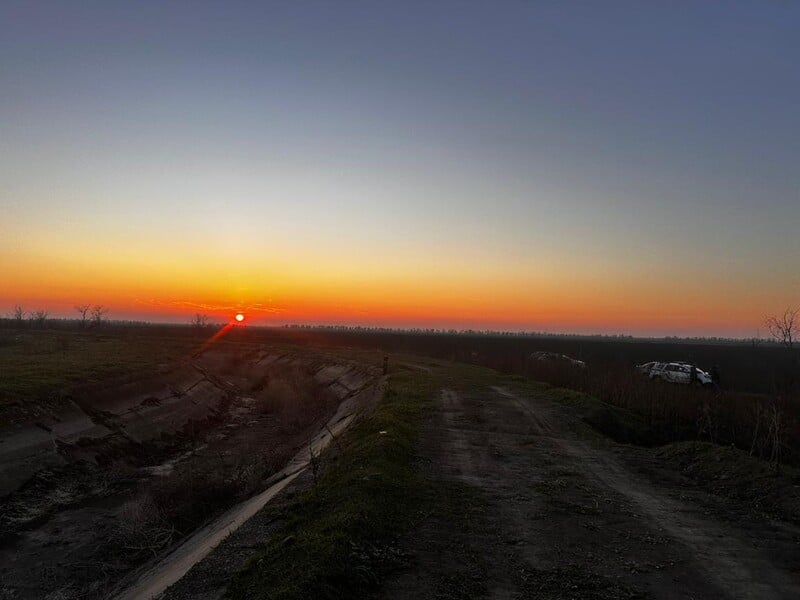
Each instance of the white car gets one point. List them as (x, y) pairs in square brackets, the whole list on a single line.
[(679, 372), (645, 368)]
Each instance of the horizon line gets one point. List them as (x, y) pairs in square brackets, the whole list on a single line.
[(413, 330)]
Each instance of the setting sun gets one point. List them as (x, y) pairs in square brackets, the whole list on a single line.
[(239, 317)]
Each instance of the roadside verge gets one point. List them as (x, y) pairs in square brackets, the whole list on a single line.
[(338, 538)]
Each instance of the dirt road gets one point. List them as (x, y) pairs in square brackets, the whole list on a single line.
[(550, 514)]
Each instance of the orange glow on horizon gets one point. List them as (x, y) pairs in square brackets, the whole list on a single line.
[(542, 295)]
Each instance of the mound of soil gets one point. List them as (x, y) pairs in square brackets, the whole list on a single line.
[(732, 473)]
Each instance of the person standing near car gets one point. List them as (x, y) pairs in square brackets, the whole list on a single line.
[(692, 375)]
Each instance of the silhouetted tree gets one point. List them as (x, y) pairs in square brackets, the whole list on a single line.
[(98, 312), (785, 328), (38, 317), (83, 311), (200, 321), (18, 314)]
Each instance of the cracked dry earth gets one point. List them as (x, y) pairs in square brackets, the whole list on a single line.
[(539, 512)]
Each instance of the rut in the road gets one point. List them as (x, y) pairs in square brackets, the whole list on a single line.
[(732, 563), (565, 516)]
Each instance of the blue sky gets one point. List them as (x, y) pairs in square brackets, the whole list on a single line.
[(552, 143)]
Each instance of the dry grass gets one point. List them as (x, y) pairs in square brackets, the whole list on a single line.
[(293, 398), (143, 526), (175, 504), (766, 425)]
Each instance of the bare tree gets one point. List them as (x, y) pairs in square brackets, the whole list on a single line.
[(98, 312), (83, 311), (38, 317), (18, 314), (200, 321), (785, 328)]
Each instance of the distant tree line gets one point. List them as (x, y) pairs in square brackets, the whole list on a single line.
[(37, 318), (200, 321), (91, 315), (523, 334)]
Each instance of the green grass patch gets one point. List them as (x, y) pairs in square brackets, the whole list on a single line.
[(339, 538), (621, 425), (34, 364)]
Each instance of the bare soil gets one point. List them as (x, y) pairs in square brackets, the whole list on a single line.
[(544, 512)]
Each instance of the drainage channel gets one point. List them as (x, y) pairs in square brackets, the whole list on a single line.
[(177, 563)]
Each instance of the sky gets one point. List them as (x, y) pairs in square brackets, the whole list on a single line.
[(614, 167)]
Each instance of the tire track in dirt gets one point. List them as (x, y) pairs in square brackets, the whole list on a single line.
[(731, 562), (567, 519)]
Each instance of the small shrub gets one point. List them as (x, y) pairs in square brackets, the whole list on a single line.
[(143, 527), (294, 398)]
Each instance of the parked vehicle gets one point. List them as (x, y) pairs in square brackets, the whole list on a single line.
[(555, 358), (679, 372), (645, 368)]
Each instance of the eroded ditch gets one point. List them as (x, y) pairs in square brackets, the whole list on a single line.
[(123, 474)]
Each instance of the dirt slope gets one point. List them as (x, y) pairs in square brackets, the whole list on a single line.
[(126, 471), (556, 516)]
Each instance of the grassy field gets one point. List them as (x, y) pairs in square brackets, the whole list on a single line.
[(41, 363), (744, 367)]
